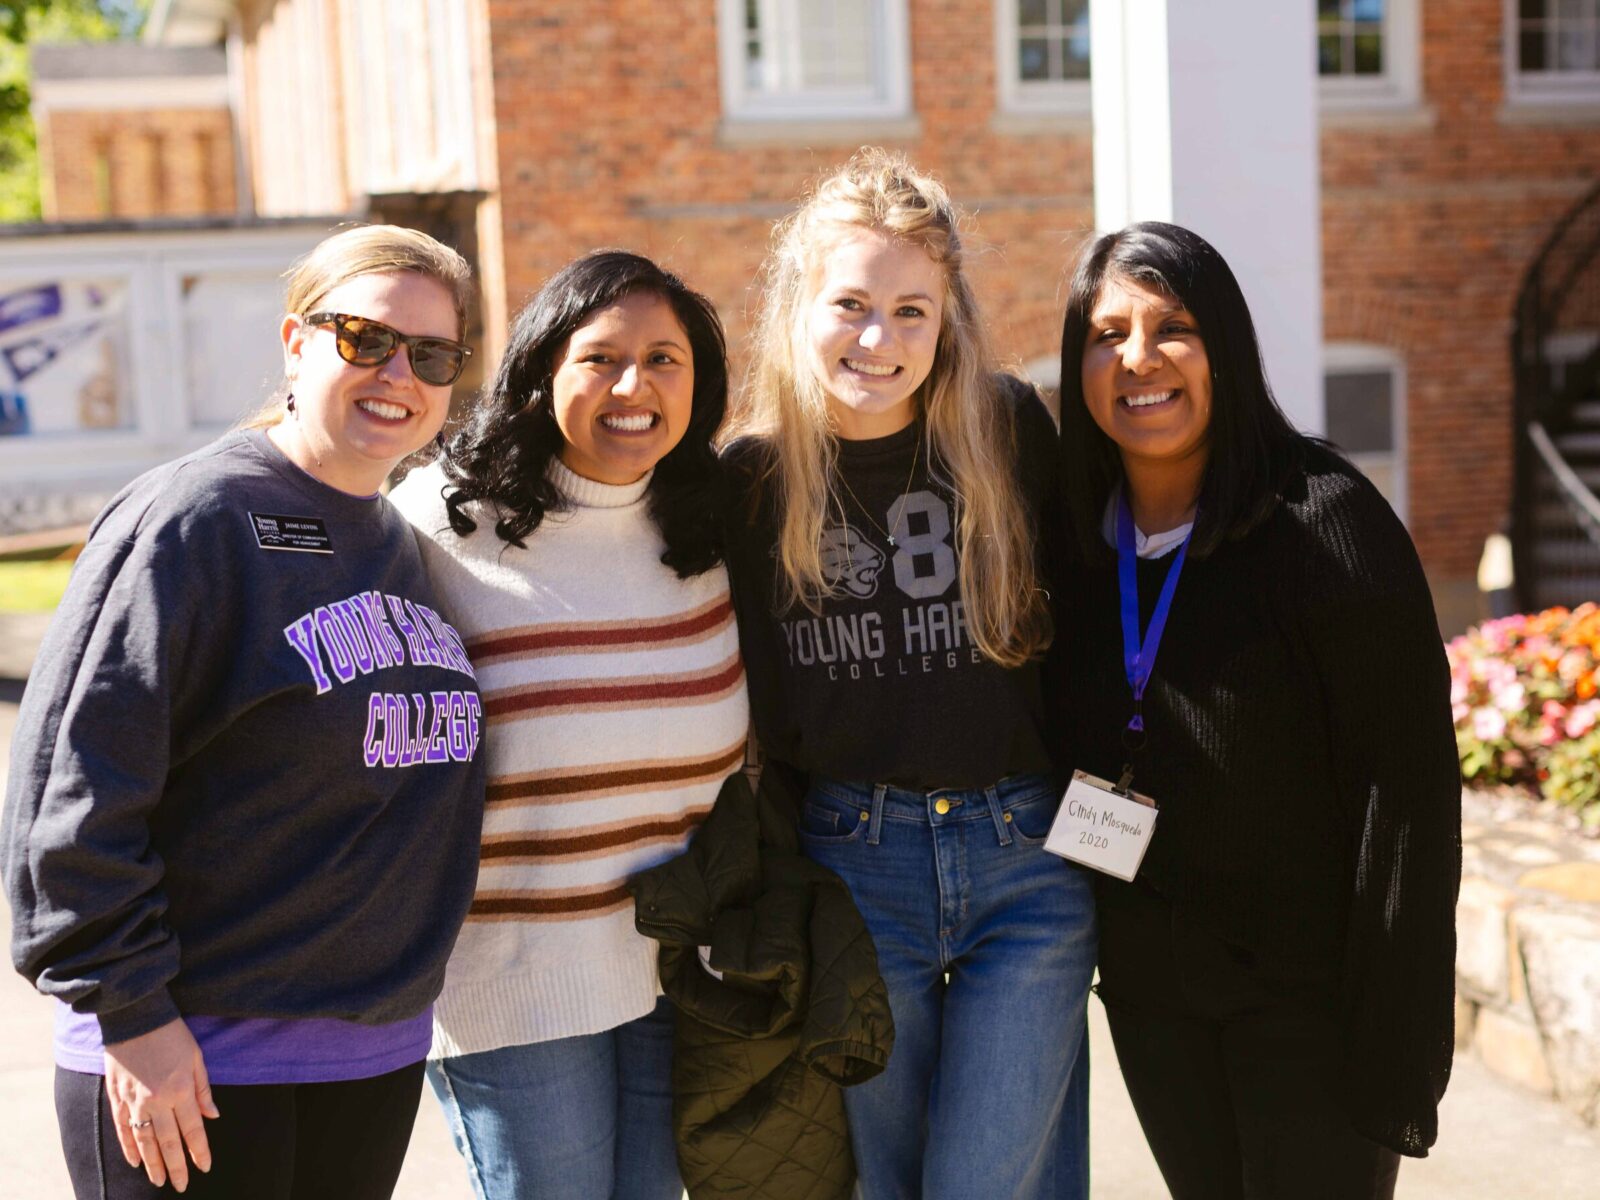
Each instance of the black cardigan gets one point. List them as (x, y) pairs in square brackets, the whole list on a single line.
[(1302, 751)]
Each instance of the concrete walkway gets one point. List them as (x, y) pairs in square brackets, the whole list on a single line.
[(1496, 1142)]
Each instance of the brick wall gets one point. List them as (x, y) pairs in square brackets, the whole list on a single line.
[(608, 117), (1429, 226), (137, 163)]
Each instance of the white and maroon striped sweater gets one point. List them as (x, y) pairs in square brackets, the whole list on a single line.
[(615, 705)]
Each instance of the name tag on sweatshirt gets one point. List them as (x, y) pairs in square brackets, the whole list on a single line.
[(1102, 828), (309, 535)]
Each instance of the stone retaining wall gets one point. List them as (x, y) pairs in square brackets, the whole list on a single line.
[(1528, 952)]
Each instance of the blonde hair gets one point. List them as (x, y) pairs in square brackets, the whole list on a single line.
[(969, 431), (367, 250)]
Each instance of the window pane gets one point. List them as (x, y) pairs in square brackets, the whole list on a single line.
[(799, 46), (1075, 55), (753, 79), (1075, 13), (1033, 59), (1328, 10), (1573, 10), (1532, 9), (1368, 54), (1532, 57), (1575, 48), (1032, 12), (1367, 10), (1330, 54), (1361, 411)]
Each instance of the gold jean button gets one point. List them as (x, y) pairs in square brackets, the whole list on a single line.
[(1008, 818), (941, 806)]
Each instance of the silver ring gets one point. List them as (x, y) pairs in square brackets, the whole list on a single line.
[(144, 1124)]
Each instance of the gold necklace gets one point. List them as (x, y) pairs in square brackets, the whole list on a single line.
[(862, 508)]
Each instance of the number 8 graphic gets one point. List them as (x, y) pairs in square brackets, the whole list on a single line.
[(931, 544)]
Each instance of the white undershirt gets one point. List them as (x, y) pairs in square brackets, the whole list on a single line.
[(1153, 546)]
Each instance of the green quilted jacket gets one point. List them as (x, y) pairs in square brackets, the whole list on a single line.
[(779, 1000)]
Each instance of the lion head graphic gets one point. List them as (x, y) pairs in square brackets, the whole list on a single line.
[(850, 559)]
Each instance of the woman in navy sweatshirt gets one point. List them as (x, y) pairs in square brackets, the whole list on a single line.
[(242, 819)]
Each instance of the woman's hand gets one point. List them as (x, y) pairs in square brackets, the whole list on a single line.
[(159, 1091)]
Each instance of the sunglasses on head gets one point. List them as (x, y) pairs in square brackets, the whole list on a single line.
[(365, 343)]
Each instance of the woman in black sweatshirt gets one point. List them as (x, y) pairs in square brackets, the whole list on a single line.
[(890, 499), (1279, 974)]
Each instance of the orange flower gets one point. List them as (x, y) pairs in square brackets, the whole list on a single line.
[(1586, 687)]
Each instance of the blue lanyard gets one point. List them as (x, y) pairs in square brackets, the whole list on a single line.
[(1138, 660)]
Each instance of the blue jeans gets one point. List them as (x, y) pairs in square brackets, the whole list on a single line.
[(579, 1118), (987, 945)]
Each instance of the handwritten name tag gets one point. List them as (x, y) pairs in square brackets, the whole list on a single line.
[(1101, 829)]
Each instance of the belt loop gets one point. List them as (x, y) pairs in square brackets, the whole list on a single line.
[(992, 795), (875, 824)]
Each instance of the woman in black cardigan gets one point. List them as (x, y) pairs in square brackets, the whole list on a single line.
[(1279, 974)]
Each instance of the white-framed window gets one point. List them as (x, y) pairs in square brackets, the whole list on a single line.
[(1553, 50), (1042, 55), (810, 59), (1368, 53), (1364, 389)]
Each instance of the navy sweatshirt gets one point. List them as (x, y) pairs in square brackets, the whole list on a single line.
[(245, 778)]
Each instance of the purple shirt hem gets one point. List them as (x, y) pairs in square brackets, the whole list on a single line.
[(253, 1050)]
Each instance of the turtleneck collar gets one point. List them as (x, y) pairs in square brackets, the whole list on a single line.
[(590, 493)]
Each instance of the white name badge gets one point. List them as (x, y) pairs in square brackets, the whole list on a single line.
[(1101, 829)]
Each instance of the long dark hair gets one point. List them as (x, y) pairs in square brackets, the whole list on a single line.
[(1253, 447), (502, 455)]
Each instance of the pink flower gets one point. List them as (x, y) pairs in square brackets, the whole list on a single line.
[(1488, 724), (1582, 719), (1553, 710), (1459, 689), (1573, 663), (1510, 698)]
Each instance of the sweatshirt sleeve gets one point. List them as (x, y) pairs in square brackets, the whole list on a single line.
[(1370, 622), (89, 765)]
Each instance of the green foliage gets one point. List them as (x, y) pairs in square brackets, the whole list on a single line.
[(23, 23), (29, 587), (1573, 776)]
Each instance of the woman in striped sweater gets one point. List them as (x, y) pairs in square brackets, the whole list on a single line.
[(572, 529)]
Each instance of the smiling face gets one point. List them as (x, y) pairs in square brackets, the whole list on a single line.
[(1146, 376), (623, 389), (351, 425), (873, 328)]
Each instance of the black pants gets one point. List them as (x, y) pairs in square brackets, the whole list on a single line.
[(290, 1141), (1232, 1068)]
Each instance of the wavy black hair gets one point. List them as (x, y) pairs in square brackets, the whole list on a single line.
[(503, 453), (1254, 450)]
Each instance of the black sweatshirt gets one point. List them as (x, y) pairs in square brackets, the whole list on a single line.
[(245, 780), (1302, 752), (884, 683)]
